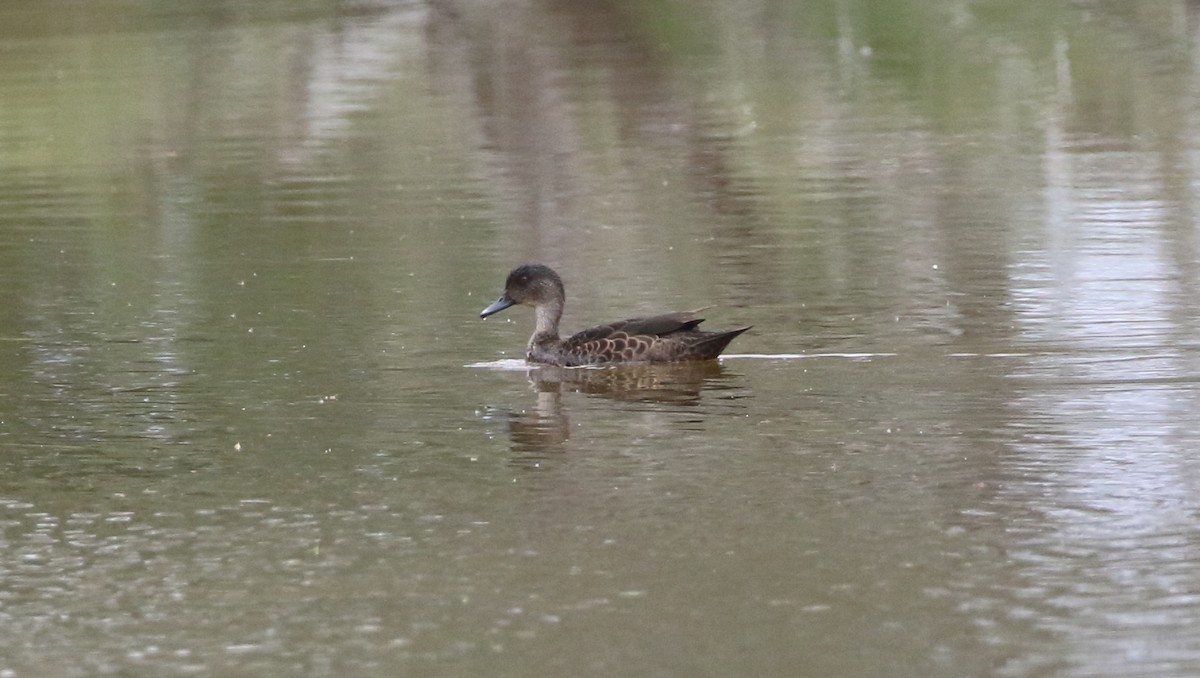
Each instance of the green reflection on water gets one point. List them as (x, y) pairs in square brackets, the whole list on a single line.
[(243, 246)]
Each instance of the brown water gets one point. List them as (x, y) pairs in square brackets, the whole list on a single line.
[(250, 422)]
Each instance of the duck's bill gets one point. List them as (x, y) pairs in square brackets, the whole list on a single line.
[(501, 304)]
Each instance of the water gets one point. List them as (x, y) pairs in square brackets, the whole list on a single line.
[(251, 424)]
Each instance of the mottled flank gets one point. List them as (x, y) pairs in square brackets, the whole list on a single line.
[(667, 338)]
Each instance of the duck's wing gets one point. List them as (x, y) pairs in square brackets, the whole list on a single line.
[(631, 339), (652, 326)]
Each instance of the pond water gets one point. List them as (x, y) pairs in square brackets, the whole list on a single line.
[(251, 423)]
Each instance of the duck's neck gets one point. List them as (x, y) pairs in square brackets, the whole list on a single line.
[(546, 330)]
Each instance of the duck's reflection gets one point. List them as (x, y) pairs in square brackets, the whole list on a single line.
[(544, 428), (661, 383)]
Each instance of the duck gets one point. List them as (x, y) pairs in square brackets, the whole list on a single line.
[(666, 338)]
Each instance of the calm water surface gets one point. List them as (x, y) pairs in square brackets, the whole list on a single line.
[(251, 424)]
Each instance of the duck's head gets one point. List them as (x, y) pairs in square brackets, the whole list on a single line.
[(533, 285)]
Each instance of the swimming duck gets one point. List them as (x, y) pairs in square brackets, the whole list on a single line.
[(667, 338)]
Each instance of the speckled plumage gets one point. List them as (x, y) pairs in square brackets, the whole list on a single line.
[(667, 338)]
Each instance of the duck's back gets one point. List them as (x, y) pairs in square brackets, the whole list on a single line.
[(671, 337)]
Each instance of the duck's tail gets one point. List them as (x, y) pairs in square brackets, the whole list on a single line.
[(711, 346)]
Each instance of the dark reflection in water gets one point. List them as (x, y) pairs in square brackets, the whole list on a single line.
[(543, 428), (679, 384), (546, 426)]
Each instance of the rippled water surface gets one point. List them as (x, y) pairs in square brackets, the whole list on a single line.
[(251, 423)]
